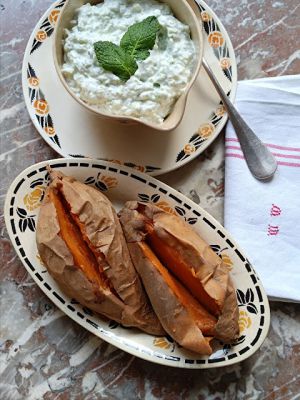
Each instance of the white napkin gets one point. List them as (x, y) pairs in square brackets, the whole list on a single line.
[(264, 218)]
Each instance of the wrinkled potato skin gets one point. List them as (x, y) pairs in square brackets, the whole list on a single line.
[(60, 264), (208, 267), (227, 328), (127, 303), (173, 316)]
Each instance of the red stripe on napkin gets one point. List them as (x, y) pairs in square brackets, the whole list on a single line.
[(274, 154), (275, 146), (287, 164)]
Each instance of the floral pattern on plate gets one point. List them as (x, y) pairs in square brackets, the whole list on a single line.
[(46, 28), (204, 132), (40, 106)]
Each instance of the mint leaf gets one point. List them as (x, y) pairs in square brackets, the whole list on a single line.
[(140, 38), (135, 45), (115, 59)]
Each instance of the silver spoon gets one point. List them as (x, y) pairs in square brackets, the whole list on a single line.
[(259, 159)]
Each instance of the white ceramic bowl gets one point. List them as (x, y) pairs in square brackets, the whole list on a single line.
[(182, 11)]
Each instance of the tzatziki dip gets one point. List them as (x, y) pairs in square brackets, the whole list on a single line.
[(159, 80)]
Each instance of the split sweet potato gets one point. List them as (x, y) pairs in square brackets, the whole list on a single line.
[(197, 279), (180, 314), (81, 242)]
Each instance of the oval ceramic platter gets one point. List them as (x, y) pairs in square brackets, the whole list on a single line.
[(72, 131), (120, 184)]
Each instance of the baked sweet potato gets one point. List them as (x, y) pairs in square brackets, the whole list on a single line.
[(81, 242), (180, 314), (155, 236)]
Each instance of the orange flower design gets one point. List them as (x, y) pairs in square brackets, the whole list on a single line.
[(215, 39), (189, 149), (109, 181), (41, 107), (225, 63), (41, 36), (206, 130), (49, 130), (53, 17), (33, 199), (33, 82), (139, 168), (220, 111), (205, 16)]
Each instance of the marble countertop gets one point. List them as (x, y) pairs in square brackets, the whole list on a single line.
[(44, 354)]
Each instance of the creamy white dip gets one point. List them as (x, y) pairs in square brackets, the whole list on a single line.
[(160, 79)]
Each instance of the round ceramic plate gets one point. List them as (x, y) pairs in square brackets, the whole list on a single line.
[(72, 131), (121, 184)]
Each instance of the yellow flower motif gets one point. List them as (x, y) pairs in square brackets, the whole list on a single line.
[(53, 17), (161, 342), (33, 199), (215, 39), (109, 181), (227, 261), (244, 321), (33, 82), (116, 162), (206, 130), (220, 111), (41, 36), (40, 260), (166, 207), (49, 130), (225, 63), (189, 149), (205, 16), (41, 107)]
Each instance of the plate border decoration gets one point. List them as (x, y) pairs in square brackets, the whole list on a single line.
[(84, 316), (213, 36), (41, 106), (199, 140), (47, 26), (216, 40)]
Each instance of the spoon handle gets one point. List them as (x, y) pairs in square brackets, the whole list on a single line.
[(259, 159)]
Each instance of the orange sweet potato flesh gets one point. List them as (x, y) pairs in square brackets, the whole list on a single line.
[(80, 251), (97, 255), (172, 260), (205, 321)]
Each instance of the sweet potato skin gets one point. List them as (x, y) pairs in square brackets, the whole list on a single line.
[(174, 317), (195, 254), (227, 328), (60, 264), (218, 287), (173, 260), (169, 232), (127, 303), (205, 321)]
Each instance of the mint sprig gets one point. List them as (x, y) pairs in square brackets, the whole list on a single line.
[(115, 59), (135, 44)]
